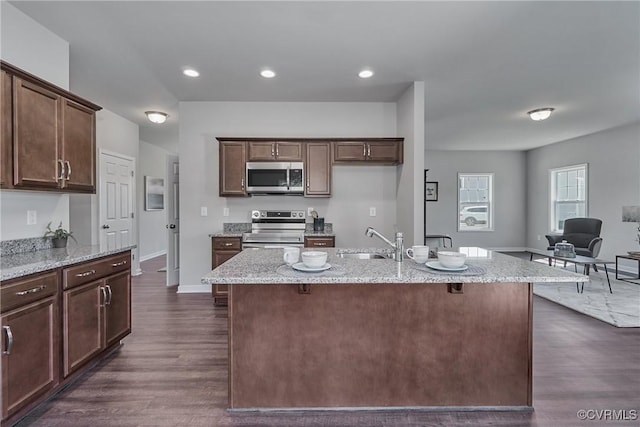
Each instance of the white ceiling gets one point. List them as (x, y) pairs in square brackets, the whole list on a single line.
[(484, 64)]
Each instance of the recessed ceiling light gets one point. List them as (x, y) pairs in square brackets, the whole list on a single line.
[(365, 74), (268, 74), (156, 116), (190, 72), (540, 113)]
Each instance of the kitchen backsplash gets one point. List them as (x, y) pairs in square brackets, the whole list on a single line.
[(245, 227)]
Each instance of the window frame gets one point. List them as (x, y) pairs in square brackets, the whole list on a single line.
[(552, 199), (490, 225)]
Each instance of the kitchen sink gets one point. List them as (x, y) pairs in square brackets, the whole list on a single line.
[(360, 255)]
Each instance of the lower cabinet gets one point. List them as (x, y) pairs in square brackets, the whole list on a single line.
[(223, 249), (58, 322)]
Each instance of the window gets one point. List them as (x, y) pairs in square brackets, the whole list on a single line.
[(568, 195), (475, 202)]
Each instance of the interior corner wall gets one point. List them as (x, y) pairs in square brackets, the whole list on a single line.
[(510, 211), (410, 123), (153, 232), (613, 158)]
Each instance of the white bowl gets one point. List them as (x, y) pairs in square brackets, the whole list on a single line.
[(314, 259), (450, 259)]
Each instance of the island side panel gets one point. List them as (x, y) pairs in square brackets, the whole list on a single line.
[(379, 345)]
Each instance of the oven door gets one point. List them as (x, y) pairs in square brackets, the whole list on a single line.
[(271, 245)]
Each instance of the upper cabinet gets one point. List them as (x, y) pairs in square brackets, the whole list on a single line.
[(50, 144), (383, 151), (318, 169), (233, 159), (277, 151), (6, 135)]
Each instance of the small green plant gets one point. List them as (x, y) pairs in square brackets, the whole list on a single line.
[(58, 233)]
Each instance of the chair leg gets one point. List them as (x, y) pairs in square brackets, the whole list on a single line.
[(595, 268)]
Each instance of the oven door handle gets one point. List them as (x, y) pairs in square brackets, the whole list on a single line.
[(270, 245)]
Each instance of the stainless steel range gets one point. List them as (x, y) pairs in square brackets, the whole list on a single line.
[(271, 229)]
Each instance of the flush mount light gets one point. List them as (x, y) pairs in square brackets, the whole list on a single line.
[(540, 113), (156, 116), (268, 74), (365, 74), (190, 72)]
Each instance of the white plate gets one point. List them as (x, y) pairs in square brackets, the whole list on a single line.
[(301, 267), (437, 266)]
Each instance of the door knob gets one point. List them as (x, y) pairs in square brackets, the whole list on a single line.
[(105, 226), (172, 226)]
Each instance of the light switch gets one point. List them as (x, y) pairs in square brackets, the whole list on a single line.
[(32, 217), (309, 210), (203, 211), (372, 211), (225, 211)]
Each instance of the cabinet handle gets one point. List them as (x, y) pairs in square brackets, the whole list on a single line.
[(86, 273), (61, 176), (110, 295), (32, 290), (368, 150), (273, 152), (118, 264), (68, 169), (7, 331), (320, 244), (277, 150), (104, 296), (228, 244), (242, 183), (364, 150)]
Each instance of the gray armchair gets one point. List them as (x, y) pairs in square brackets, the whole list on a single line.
[(582, 233)]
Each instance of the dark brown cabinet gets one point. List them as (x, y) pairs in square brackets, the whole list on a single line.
[(30, 343), (223, 249), (96, 307), (388, 151), (318, 169), (319, 242), (280, 151), (233, 158), (50, 144)]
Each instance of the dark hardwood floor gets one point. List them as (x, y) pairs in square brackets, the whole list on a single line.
[(172, 371)]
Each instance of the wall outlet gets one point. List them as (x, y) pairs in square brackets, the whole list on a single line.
[(225, 211), (32, 217), (203, 211), (539, 237), (309, 210), (372, 211)]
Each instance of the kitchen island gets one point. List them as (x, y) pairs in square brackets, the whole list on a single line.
[(376, 333)]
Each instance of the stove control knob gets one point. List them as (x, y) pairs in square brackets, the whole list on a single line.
[(263, 214), (255, 214)]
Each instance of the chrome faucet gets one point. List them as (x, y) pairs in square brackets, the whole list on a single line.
[(398, 245)]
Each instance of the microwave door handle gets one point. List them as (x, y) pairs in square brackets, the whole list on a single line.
[(288, 178)]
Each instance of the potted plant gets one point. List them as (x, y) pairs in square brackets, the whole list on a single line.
[(58, 236)]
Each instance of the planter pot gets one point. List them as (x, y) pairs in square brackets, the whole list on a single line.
[(60, 242)]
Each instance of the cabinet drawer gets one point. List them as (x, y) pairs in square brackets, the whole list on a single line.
[(226, 243), (25, 291), (319, 242), (89, 271)]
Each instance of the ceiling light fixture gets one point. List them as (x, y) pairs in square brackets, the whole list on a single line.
[(190, 72), (156, 116), (365, 74), (540, 113), (268, 74)]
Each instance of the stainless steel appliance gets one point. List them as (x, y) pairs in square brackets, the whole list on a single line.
[(275, 228), (275, 177)]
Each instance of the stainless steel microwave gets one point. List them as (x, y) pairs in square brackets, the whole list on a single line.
[(275, 177)]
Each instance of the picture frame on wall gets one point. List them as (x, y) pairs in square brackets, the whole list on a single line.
[(431, 191), (153, 193)]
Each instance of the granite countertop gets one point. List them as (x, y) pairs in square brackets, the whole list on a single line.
[(266, 266), (23, 264)]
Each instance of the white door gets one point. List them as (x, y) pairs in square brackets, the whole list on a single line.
[(173, 221), (116, 201)]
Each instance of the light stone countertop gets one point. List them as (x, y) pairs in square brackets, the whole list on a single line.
[(23, 264), (266, 266)]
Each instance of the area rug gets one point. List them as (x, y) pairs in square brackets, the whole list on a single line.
[(620, 309)]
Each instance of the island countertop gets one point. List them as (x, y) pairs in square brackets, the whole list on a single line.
[(266, 266)]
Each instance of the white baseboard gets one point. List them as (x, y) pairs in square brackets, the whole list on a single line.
[(194, 289), (136, 272), (153, 255)]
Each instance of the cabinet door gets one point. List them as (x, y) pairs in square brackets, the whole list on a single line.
[(384, 152), (36, 136), (118, 307), (82, 324), (262, 151), (6, 133), (349, 151), (29, 353), (78, 147), (318, 169), (289, 151), (232, 168)]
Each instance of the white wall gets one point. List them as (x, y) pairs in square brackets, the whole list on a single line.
[(510, 211), (613, 157), (355, 189), (153, 234), (410, 174), (28, 45)]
